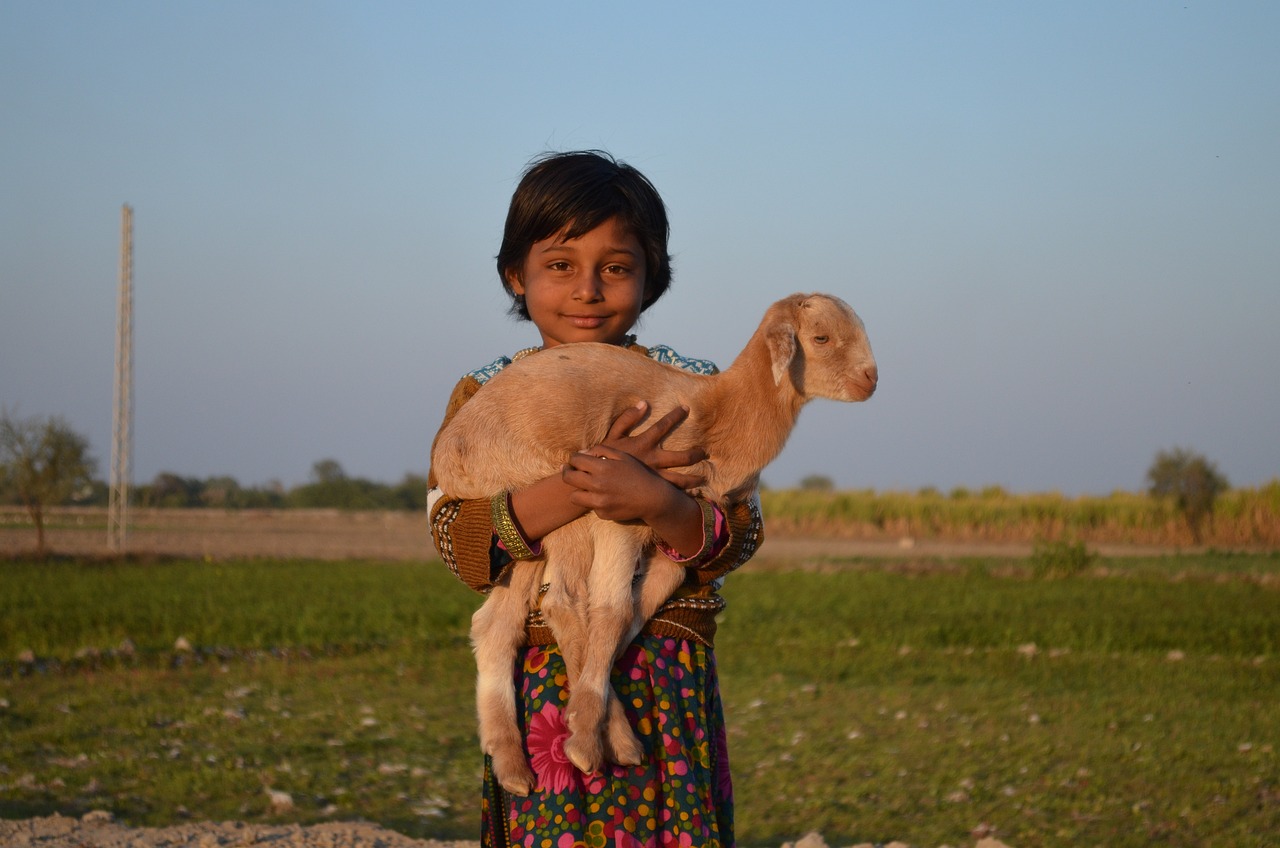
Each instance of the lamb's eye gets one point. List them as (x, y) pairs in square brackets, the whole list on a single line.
[(820, 339)]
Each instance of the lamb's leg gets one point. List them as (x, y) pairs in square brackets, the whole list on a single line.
[(568, 552), (661, 579), (497, 634), (609, 615), (564, 608)]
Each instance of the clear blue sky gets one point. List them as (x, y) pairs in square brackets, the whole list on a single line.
[(1060, 222)]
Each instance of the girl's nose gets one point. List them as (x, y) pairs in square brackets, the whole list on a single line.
[(589, 287)]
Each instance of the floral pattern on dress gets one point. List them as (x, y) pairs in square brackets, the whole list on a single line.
[(680, 796), (547, 734)]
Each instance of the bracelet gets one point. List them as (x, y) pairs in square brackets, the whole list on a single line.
[(709, 535), (505, 528), (708, 525)]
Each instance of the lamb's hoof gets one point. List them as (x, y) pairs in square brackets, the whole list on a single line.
[(514, 775), (585, 752), (519, 786), (625, 747)]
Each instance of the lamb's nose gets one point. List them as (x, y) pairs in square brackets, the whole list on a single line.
[(872, 373)]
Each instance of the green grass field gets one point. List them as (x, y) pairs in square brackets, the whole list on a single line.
[(1132, 704)]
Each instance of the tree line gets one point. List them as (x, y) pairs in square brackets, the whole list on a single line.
[(44, 463), (328, 487)]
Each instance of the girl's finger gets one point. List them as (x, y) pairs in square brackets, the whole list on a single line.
[(683, 481), (626, 420), (660, 429), (678, 459), (599, 452)]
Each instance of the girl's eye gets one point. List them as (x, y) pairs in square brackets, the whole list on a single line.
[(559, 266), (616, 270)]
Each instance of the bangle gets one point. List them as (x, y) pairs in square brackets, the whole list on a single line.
[(504, 526), (710, 535)]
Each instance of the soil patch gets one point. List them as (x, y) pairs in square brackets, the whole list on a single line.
[(338, 534), (98, 830)]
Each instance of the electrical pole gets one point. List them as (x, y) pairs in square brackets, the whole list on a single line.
[(122, 420)]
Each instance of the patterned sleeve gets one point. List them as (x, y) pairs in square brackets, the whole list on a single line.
[(746, 533), (462, 530)]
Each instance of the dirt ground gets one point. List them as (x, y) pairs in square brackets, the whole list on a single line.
[(97, 830), (321, 534), (334, 534)]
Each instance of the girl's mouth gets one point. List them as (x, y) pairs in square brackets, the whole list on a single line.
[(586, 322)]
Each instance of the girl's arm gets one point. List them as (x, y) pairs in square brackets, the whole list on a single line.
[(462, 530)]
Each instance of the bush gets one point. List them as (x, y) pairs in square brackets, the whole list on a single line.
[(1052, 560), (817, 483), (1192, 482)]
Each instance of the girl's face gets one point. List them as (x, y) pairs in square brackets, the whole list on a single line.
[(588, 289)]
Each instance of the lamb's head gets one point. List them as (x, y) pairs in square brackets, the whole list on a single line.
[(818, 341)]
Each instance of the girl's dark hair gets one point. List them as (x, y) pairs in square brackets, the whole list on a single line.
[(577, 192)]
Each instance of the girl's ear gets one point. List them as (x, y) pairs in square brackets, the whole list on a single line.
[(516, 284)]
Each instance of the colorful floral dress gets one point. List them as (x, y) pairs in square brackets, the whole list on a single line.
[(680, 796)]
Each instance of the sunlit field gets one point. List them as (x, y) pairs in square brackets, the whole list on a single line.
[(1240, 517), (1130, 702)]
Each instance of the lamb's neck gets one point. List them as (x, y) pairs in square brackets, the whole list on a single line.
[(755, 417)]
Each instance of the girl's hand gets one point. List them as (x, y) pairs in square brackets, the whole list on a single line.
[(635, 486), (646, 446), (617, 486)]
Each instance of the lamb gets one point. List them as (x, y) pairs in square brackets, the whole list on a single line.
[(807, 346)]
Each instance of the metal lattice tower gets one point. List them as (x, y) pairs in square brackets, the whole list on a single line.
[(122, 420)]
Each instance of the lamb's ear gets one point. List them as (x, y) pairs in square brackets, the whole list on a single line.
[(781, 340)]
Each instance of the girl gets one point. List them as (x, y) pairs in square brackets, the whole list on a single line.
[(584, 253)]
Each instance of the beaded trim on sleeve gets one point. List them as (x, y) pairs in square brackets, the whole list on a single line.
[(751, 540), (440, 523), (714, 603)]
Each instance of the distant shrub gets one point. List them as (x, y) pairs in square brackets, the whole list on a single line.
[(1051, 560), (1190, 481), (817, 483)]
